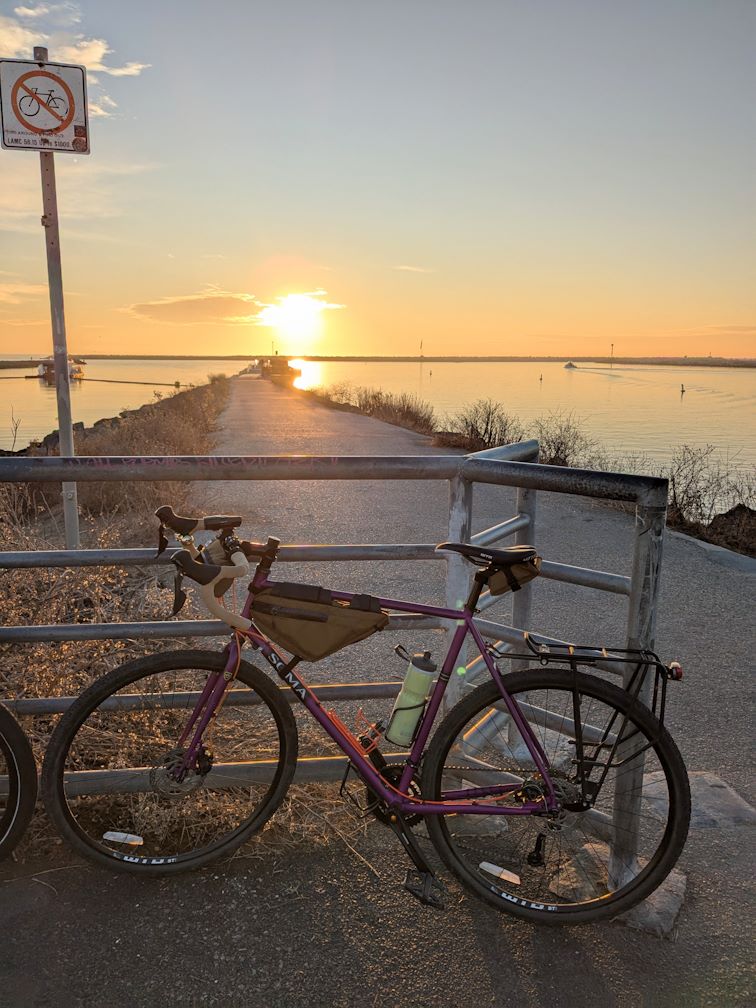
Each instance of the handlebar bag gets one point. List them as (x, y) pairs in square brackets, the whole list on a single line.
[(310, 623), (513, 577)]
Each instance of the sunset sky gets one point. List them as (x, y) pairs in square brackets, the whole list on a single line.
[(348, 176)]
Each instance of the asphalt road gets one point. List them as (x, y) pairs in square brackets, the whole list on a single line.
[(329, 924)]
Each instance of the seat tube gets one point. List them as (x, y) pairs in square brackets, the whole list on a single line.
[(457, 572)]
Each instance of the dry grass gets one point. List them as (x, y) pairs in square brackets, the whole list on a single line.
[(400, 408), (179, 424)]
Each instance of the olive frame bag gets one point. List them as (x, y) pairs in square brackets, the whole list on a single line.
[(310, 623), (512, 578)]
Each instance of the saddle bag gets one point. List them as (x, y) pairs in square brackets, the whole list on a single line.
[(310, 623), (512, 578)]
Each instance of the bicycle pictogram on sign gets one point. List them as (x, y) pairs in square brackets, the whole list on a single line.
[(43, 102)]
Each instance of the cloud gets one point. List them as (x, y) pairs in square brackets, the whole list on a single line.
[(734, 328), (413, 269), (15, 292), (211, 305), (65, 13), (16, 41), (92, 52), (56, 26), (104, 106)]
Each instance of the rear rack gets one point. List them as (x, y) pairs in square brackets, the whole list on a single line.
[(640, 661)]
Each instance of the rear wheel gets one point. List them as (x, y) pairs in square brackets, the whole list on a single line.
[(592, 860), (18, 782), (107, 780)]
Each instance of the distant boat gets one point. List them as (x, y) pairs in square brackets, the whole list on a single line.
[(571, 366), (46, 369)]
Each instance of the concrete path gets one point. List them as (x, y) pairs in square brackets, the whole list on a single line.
[(314, 925)]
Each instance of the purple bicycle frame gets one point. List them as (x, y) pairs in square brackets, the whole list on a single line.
[(465, 801)]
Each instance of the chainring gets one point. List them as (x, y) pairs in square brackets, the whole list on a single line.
[(393, 773)]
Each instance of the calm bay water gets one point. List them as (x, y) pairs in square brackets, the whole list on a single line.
[(32, 402), (631, 409)]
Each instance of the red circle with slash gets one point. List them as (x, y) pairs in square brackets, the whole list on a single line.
[(21, 85)]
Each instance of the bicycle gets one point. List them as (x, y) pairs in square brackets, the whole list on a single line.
[(530, 787), (18, 782), (31, 104)]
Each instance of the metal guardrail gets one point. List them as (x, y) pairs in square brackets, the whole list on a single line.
[(511, 465)]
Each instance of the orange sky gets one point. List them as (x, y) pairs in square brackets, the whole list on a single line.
[(512, 185)]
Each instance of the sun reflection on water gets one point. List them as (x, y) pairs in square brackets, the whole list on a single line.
[(311, 373)]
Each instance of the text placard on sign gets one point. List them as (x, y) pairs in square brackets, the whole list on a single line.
[(43, 106)]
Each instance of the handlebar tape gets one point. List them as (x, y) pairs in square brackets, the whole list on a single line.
[(214, 581)]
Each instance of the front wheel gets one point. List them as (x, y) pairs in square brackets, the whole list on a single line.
[(602, 852), (18, 782), (107, 781)]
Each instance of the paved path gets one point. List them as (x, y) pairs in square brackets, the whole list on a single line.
[(314, 926)]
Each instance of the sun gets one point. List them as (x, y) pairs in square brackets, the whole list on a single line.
[(297, 318)]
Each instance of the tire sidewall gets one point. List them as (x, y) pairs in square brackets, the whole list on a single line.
[(23, 768)]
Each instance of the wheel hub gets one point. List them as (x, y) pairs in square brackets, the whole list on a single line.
[(163, 778)]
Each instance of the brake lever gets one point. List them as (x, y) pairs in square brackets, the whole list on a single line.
[(162, 540)]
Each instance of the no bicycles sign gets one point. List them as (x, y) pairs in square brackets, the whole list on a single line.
[(43, 106)]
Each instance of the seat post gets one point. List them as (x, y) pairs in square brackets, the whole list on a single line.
[(479, 580)]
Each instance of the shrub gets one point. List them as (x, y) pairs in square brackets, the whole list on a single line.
[(401, 408), (702, 485), (563, 442), (485, 424)]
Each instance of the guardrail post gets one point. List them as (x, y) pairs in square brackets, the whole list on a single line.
[(523, 599), (458, 569), (641, 632)]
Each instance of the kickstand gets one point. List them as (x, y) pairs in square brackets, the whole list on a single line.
[(420, 882)]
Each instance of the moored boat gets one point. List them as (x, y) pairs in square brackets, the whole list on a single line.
[(46, 369)]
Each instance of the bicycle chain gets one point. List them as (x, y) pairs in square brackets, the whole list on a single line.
[(468, 769)]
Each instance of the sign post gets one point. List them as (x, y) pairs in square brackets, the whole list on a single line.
[(43, 106)]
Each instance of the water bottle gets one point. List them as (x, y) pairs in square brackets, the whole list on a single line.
[(410, 704)]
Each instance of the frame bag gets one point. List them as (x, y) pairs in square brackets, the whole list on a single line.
[(310, 623)]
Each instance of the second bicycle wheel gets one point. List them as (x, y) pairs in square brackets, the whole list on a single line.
[(106, 778), (18, 782), (593, 859)]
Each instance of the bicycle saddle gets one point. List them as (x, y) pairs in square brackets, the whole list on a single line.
[(496, 557)]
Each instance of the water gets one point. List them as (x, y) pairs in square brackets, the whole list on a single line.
[(633, 410), (32, 402)]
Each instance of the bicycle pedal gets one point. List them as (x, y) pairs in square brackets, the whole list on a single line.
[(426, 888)]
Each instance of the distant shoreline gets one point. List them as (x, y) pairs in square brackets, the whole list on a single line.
[(738, 362)]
